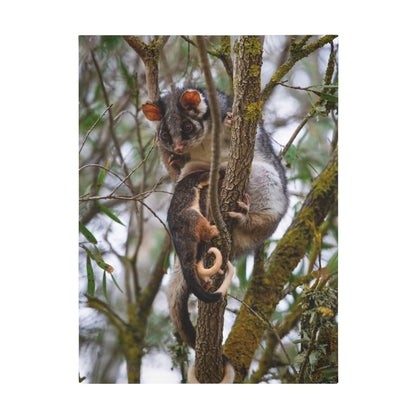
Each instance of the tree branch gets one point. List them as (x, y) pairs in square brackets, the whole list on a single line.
[(263, 294), (272, 328), (298, 51), (208, 348), (93, 127), (148, 295), (215, 148), (111, 119), (103, 307), (246, 115), (149, 53)]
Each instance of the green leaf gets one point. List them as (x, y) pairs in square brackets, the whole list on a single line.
[(87, 191), (166, 262), (276, 316), (290, 155), (312, 318), (314, 357), (126, 75), (101, 176), (323, 95), (109, 213), (329, 97), (90, 276), (87, 234), (332, 265), (298, 360), (109, 42), (105, 286), (115, 282), (310, 100), (323, 86), (87, 121), (98, 259)]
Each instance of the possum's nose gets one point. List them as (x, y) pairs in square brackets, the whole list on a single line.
[(179, 146)]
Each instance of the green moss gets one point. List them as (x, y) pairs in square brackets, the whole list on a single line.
[(154, 47), (252, 45), (253, 111), (254, 70), (225, 48), (236, 48), (326, 181)]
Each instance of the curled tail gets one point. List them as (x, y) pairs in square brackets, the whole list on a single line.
[(197, 275), (202, 272), (197, 289)]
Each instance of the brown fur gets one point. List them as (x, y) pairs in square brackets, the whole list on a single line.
[(189, 227)]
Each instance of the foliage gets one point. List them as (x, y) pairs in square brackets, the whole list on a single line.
[(124, 195)]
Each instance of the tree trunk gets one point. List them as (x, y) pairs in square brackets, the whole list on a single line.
[(246, 115)]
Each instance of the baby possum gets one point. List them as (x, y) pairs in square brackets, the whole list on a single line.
[(188, 225)]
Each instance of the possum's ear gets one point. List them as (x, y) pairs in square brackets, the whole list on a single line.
[(152, 112), (192, 100)]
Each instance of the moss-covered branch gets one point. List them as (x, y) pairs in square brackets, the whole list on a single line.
[(246, 115), (265, 291), (298, 51)]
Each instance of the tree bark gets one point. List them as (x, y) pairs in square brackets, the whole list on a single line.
[(149, 53), (246, 115)]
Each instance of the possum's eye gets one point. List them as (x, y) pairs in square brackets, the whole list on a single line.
[(187, 127), (165, 136)]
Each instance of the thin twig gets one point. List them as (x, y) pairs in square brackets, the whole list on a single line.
[(215, 148), (111, 120), (222, 54), (273, 329), (95, 165), (101, 306), (298, 51), (156, 216), (93, 126), (133, 170), (307, 89), (137, 197), (196, 44), (294, 135)]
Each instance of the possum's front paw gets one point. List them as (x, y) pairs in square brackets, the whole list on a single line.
[(228, 120), (243, 216), (177, 161)]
